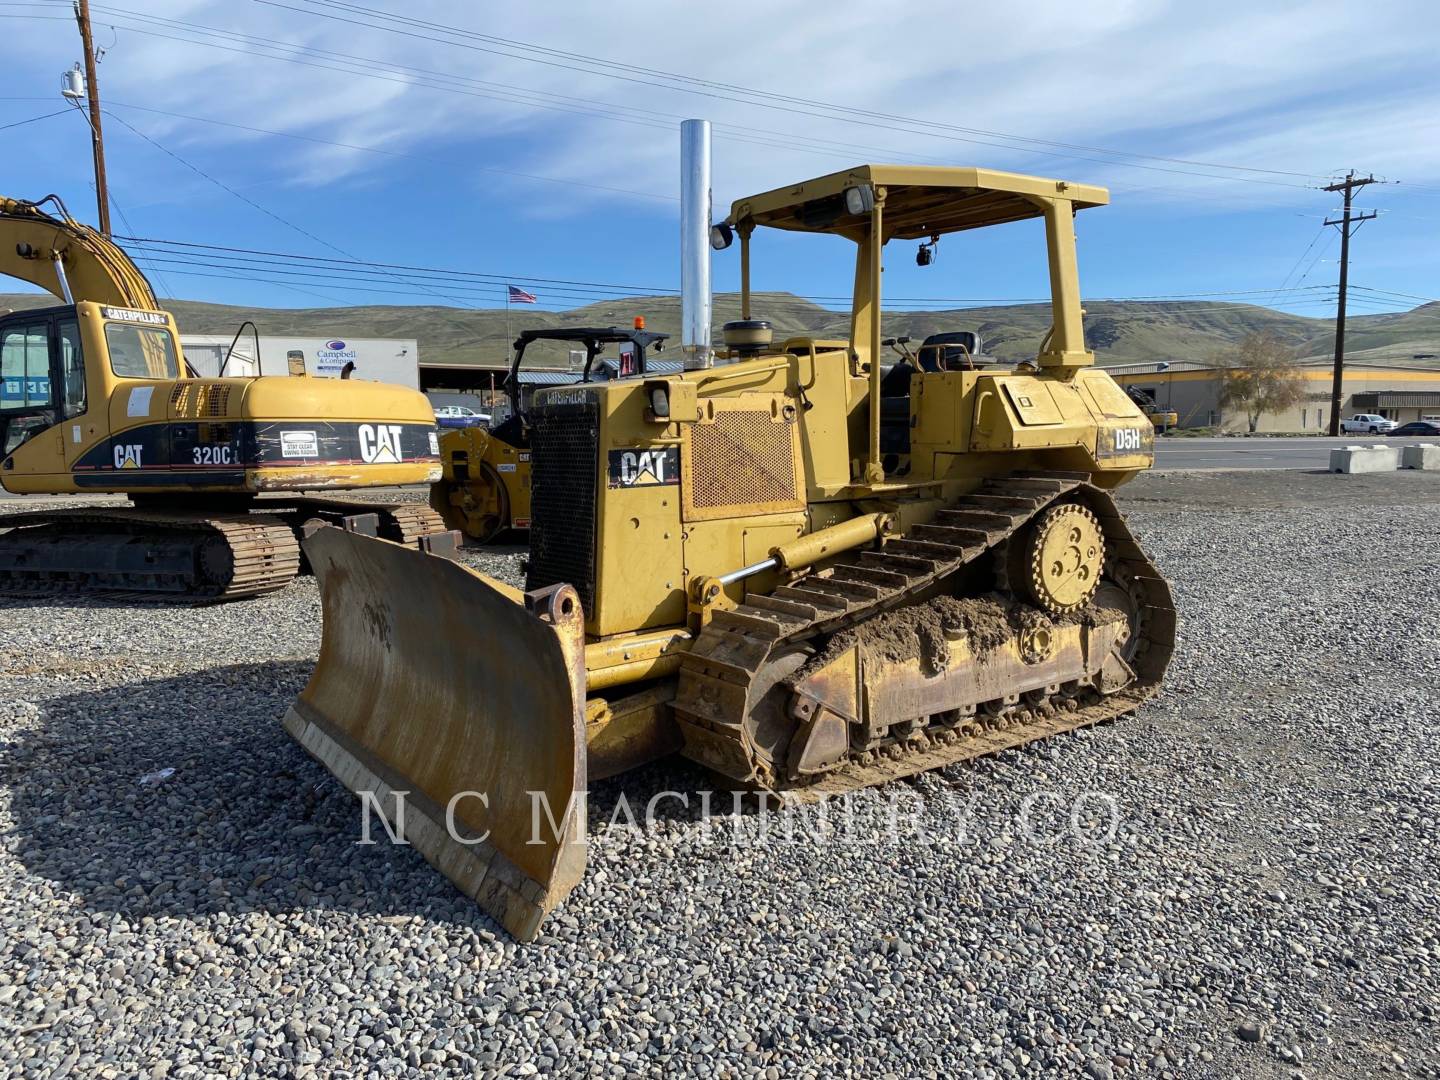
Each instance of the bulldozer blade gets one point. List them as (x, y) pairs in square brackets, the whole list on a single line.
[(455, 707)]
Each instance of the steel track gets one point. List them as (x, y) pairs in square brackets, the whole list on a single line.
[(233, 556), (719, 677)]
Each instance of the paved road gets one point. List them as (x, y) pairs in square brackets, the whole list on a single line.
[(1240, 453)]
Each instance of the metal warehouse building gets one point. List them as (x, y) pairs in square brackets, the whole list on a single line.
[(1192, 390)]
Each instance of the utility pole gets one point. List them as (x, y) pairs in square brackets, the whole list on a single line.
[(92, 88), (1347, 224)]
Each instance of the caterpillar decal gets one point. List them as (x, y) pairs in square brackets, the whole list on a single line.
[(246, 445), (129, 456)]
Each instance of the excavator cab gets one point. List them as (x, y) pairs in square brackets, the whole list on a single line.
[(42, 374), (63, 372)]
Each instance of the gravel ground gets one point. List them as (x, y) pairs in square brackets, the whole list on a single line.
[(1265, 905)]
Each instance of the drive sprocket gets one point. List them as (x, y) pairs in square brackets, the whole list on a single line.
[(1062, 556)]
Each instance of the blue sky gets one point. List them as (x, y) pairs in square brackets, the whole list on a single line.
[(419, 134)]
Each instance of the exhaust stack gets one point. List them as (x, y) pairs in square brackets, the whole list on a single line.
[(695, 298)]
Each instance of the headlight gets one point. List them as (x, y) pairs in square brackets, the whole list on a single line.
[(860, 199)]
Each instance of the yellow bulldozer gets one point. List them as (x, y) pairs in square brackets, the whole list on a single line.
[(782, 562), (96, 397), (485, 489)]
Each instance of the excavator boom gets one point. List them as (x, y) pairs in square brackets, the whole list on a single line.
[(67, 258)]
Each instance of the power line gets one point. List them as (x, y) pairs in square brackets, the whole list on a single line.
[(361, 283), (1390, 292), (245, 199), (362, 273), (1324, 249), (356, 280), (389, 266), (787, 140), (395, 153), (216, 252), (31, 120), (147, 263), (255, 44), (429, 158), (545, 100), (729, 91), (409, 76), (222, 185), (826, 316), (1286, 280)]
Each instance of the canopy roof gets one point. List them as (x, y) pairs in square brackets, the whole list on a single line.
[(920, 200), (591, 335)]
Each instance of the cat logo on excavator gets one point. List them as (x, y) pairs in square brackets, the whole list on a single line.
[(380, 443), (129, 456)]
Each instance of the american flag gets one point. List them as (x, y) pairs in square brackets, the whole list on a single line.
[(520, 296)]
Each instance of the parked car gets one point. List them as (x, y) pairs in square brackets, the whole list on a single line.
[(1366, 423), (1428, 428), (460, 416)]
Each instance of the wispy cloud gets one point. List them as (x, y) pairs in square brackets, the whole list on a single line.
[(1299, 87), (369, 119)]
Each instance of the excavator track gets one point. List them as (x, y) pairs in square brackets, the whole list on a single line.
[(410, 521), (732, 664), (148, 554), (400, 523), (184, 556)]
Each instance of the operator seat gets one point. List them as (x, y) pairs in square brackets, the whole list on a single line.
[(895, 409), (954, 350), (513, 431)]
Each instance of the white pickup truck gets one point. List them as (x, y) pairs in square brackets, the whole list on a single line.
[(1366, 424)]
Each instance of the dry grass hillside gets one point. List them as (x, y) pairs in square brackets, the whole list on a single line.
[(1119, 331)]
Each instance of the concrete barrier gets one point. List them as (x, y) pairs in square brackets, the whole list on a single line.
[(1364, 459), (1421, 456)]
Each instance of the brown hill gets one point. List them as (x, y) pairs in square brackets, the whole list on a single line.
[(1119, 331)]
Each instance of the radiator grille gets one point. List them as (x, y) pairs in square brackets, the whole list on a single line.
[(743, 459), (565, 471), (192, 400)]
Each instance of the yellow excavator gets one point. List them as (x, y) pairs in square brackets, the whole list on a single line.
[(95, 397), (802, 570), (485, 490)]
